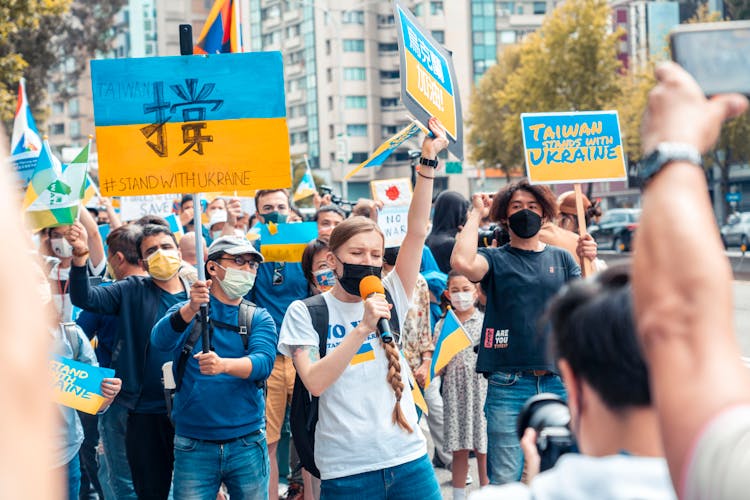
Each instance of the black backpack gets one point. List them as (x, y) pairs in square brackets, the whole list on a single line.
[(303, 416)]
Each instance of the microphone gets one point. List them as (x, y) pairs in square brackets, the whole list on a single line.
[(369, 286)]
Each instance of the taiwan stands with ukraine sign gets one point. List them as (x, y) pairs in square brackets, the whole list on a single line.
[(191, 124), (428, 80)]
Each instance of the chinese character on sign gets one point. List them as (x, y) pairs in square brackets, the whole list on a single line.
[(413, 40), (425, 52), (194, 111), (437, 68), (158, 107)]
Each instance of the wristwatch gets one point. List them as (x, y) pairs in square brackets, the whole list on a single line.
[(667, 152), (427, 162)]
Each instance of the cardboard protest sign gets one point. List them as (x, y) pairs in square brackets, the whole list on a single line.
[(191, 124), (392, 191), (428, 80), (573, 147), (135, 207), (78, 385), (286, 242), (392, 218)]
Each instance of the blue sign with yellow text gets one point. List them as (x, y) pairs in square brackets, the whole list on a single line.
[(428, 80), (573, 147)]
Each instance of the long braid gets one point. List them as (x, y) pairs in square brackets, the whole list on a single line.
[(394, 378)]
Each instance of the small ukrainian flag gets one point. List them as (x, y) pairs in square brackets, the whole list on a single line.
[(453, 339), (365, 353)]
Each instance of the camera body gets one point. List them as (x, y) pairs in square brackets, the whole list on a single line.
[(549, 416), (495, 232)]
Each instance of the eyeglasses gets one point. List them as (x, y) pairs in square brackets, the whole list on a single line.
[(241, 261), (278, 274)]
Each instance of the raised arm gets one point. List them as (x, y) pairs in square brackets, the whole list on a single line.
[(410, 254), (682, 291), (465, 259), (96, 245)]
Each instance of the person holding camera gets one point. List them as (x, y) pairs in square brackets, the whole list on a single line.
[(219, 409), (607, 380), (518, 278)]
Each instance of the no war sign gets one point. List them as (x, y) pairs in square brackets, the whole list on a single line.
[(573, 147)]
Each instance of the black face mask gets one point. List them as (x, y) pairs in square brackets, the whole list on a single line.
[(525, 223), (353, 274), (274, 217)]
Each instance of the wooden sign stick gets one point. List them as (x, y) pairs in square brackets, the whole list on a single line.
[(586, 268)]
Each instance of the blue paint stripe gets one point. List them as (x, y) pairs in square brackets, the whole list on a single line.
[(245, 85)]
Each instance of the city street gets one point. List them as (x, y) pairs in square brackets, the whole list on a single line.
[(742, 321)]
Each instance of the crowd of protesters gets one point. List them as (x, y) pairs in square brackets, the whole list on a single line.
[(242, 342)]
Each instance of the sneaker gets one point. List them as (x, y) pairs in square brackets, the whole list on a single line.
[(469, 480), (294, 492)]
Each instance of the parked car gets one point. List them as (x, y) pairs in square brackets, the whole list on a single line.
[(616, 228), (736, 232)]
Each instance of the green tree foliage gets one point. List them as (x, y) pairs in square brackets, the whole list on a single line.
[(44, 35), (630, 106), (737, 9), (569, 64)]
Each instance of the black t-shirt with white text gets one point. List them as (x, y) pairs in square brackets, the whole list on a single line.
[(518, 284)]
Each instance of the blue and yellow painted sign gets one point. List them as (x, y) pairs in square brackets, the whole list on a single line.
[(78, 385), (428, 80), (573, 147), (191, 124), (286, 242)]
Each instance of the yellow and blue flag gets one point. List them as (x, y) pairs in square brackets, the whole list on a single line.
[(25, 144), (191, 124), (452, 340), (306, 186), (221, 33), (54, 199), (286, 242), (365, 353), (418, 395), (78, 385), (381, 154)]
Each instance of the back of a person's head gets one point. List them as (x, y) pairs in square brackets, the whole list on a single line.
[(593, 329), (125, 239), (151, 220), (450, 212)]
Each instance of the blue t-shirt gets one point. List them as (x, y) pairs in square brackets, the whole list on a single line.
[(518, 284), (277, 285), (152, 394)]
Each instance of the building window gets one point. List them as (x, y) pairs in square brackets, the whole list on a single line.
[(540, 8), (330, 103), (387, 47), (73, 107), (388, 102), (357, 130), (389, 75), (329, 75), (293, 31), (507, 37), (417, 10), (519, 9), (353, 17), (331, 133), (439, 35), (358, 157), (356, 102), (354, 74), (354, 45), (272, 12), (436, 8), (298, 138), (328, 47), (386, 20), (389, 130), (75, 129), (58, 108), (505, 8), (57, 129)]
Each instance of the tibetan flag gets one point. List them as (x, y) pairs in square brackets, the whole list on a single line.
[(365, 353), (54, 200), (221, 33), (25, 143), (452, 340), (78, 385), (384, 150), (286, 242), (306, 186), (191, 124)]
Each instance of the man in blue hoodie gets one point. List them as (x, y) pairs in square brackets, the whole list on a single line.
[(219, 409)]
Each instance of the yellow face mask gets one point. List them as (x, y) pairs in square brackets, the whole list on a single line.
[(163, 265)]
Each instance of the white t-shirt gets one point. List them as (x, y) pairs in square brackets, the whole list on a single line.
[(719, 468), (578, 477), (355, 432)]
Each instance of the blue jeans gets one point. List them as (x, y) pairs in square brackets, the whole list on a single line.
[(506, 394), (113, 425), (200, 467), (73, 469), (415, 479)]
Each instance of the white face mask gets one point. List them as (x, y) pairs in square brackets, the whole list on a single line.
[(61, 248), (236, 283), (462, 301)]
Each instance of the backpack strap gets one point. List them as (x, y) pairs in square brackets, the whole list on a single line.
[(187, 350), (319, 315), (245, 320)]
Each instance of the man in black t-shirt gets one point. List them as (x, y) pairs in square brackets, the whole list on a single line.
[(518, 278)]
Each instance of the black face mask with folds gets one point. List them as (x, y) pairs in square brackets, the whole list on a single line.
[(353, 274), (525, 223)]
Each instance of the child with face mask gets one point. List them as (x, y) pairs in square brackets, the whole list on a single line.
[(464, 390)]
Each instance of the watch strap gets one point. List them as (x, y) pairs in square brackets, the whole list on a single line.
[(427, 162)]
